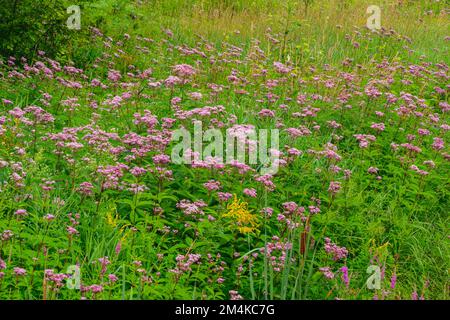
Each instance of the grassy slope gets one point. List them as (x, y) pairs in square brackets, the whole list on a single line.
[(315, 39), (314, 36), (419, 233)]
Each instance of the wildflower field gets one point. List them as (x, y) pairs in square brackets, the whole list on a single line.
[(113, 183)]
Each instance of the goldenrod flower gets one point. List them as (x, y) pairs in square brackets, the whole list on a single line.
[(112, 221), (246, 221)]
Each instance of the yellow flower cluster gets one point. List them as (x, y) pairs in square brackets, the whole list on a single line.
[(246, 221), (113, 221)]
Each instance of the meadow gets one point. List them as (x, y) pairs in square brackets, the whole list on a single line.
[(93, 205)]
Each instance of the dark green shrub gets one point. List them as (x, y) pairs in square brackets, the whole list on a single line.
[(27, 26)]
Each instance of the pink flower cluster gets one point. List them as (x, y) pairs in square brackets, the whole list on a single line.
[(191, 208), (185, 262), (277, 253), (337, 252)]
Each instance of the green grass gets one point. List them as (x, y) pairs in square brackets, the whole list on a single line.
[(399, 222)]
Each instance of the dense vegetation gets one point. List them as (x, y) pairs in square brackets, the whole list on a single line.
[(86, 177)]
